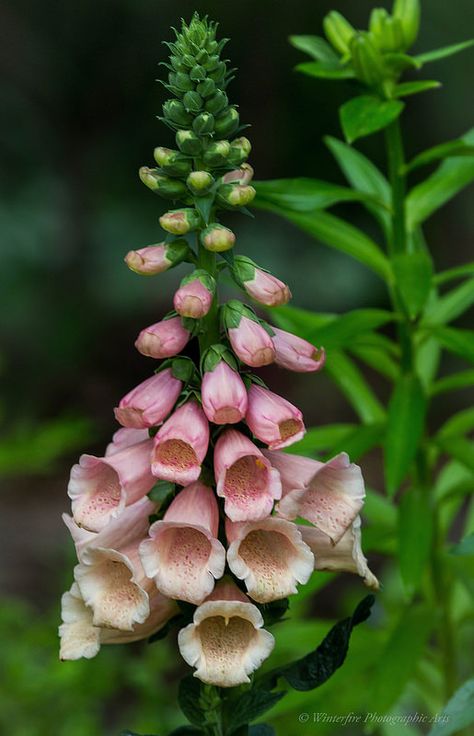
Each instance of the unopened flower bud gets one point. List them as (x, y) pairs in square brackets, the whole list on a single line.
[(175, 112), (157, 258), (386, 32), (172, 162), (193, 101), (217, 103), (181, 82), (217, 238), (339, 31), (188, 142), (219, 72), (236, 195), (163, 339), (206, 88), (259, 284), (249, 340), (367, 60), (227, 123), (197, 73), (408, 13), (203, 124), (239, 151), (180, 222), (199, 182), (195, 294), (242, 175), (216, 153), (162, 185)]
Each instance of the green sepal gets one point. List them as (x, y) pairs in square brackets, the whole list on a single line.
[(227, 124), (233, 311), (183, 369), (243, 269), (161, 491), (204, 277), (213, 356), (203, 124), (189, 143), (193, 102)]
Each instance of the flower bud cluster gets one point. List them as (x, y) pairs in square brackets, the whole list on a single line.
[(195, 482)]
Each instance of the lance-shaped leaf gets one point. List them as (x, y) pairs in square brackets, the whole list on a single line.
[(451, 305), (458, 147), (443, 52), (405, 89), (316, 47), (350, 381), (366, 114), (459, 342), (323, 70), (413, 273), (322, 438), (451, 274), (341, 330), (458, 714), (303, 195), (414, 536), (406, 416), (454, 382)]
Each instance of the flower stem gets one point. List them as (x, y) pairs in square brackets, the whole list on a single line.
[(210, 323)]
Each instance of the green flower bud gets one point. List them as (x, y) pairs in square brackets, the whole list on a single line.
[(202, 57), (188, 142), (162, 185), (227, 123), (216, 153), (197, 73), (219, 72), (200, 182), (177, 64), (192, 101), (386, 32), (174, 111), (180, 222), (236, 195), (171, 162), (188, 61), (339, 31), (367, 60), (239, 151), (408, 13), (181, 82), (204, 124), (217, 238), (206, 88), (217, 102)]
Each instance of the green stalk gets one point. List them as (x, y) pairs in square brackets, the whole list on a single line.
[(210, 323)]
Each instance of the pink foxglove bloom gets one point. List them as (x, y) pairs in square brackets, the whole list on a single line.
[(272, 419), (242, 175), (80, 638), (252, 343), (345, 556), (329, 495), (101, 487), (183, 554), (259, 284), (126, 437), (270, 556), (193, 299), (296, 354), (149, 402), (163, 339), (157, 258), (224, 396), (245, 478), (180, 445), (226, 641)]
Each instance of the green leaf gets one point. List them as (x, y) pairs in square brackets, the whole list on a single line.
[(458, 147), (336, 233), (459, 342), (189, 696), (341, 330), (360, 441), (304, 195), (442, 53), (405, 89), (365, 177), (350, 381), (451, 305), (458, 448), (458, 272), (413, 272), (454, 382), (322, 438), (465, 548), (449, 178), (403, 650), (204, 206), (415, 531), (316, 47), (317, 667), (249, 706), (427, 358), (406, 415), (376, 358), (459, 712), (365, 115), (460, 423), (324, 71), (161, 490)]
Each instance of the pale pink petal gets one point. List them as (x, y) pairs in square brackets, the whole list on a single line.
[(181, 445), (126, 437), (296, 354), (252, 343), (163, 339), (224, 396), (149, 402), (272, 419)]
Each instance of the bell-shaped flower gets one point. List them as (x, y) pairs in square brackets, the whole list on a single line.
[(157, 258), (101, 487), (259, 284), (149, 402), (163, 339), (183, 555), (226, 641), (272, 419), (249, 340), (270, 556), (181, 445), (329, 495), (223, 393), (245, 478), (126, 437), (296, 354), (80, 638), (195, 294), (345, 556)]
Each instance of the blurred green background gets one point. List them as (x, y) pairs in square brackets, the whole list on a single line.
[(79, 105)]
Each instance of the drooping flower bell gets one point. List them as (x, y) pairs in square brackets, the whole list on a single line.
[(163, 339), (150, 402), (195, 294), (155, 259), (296, 354), (249, 340), (273, 419), (223, 393), (259, 284)]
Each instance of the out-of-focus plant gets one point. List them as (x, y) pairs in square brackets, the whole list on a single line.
[(425, 509)]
